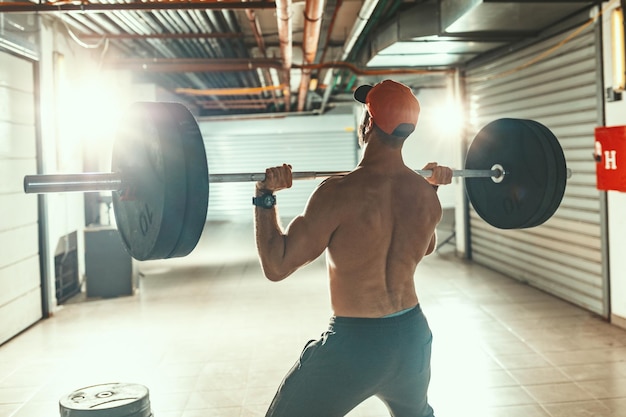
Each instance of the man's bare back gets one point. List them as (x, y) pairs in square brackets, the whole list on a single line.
[(376, 223), (387, 223)]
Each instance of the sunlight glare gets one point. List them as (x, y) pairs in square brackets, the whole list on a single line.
[(448, 117), (90, 108)]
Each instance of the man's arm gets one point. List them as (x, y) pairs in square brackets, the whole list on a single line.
[(283, 252), (441, 175)]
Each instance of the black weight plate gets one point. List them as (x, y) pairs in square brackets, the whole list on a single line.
[(150, 212), (550, 179), (197, 182), (512, 203), (561, 172)]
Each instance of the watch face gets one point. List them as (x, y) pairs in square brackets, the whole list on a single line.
[(267, 201)]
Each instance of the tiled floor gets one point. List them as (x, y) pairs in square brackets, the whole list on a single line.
[(209, 336)]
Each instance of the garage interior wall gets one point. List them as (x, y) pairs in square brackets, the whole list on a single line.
[(308, 143), (562, 91), (20, 282), (564, 255)]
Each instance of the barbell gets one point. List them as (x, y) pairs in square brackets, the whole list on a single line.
[(515, 177)]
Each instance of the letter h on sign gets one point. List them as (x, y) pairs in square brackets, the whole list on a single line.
[(610, 147)]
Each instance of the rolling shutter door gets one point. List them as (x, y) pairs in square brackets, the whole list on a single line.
[(308, 143), (563, 256), (20, 281)]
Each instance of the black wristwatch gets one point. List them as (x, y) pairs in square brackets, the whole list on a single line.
[(267, 200)]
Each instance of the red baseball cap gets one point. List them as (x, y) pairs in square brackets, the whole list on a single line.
[(392, 106)]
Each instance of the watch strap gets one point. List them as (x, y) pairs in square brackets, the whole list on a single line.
[(266, 200)]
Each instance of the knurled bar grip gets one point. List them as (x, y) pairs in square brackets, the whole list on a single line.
[(103, 181)]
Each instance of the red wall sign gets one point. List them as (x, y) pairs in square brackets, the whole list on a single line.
[(610, 156)]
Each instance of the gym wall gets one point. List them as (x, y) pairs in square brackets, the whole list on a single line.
[(308, 143), (563, 91)]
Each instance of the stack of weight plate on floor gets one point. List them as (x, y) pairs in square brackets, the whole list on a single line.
[(107, 400), (536, 173)]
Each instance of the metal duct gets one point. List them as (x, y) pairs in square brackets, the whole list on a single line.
[(463, 16), (364, 15)]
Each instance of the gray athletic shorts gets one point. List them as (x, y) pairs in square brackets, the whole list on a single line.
[(357, 358)]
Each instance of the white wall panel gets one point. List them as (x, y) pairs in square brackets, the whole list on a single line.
[(17, 279), (19, 314), (12, 172), (18, 210), (308, 143), (14, 140), (16, 106), (16, 73), (18, 244), (20, 277)]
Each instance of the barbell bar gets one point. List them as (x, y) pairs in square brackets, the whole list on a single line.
[(115, 181), (515, 177)]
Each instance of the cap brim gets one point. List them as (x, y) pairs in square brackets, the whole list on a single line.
[(361, 93)]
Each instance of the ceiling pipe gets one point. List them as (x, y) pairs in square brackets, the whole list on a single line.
[(374, 71), (192, 64), (283, 18), (100, 25), (21, 7), (258, 36), (313, 12), (226, 91), (362, 18), (249, 78), (229, 106), (256, 30), (264, 101), (164, 22), (216, 21), (252, 104), (135, 23), (331, 9)]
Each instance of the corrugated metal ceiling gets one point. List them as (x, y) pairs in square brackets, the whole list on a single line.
[(247, 57)]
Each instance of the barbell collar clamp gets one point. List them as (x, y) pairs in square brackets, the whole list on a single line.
[(501, 173)]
